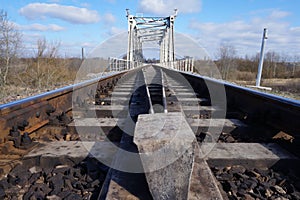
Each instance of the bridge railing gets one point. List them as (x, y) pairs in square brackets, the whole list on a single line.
[(117, 64), (186, 64)]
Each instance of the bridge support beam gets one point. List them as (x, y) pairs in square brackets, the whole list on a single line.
[(151, 29), (167, 48)]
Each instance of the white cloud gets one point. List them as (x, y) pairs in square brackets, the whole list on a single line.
[(115, 30), (71, 14), (109, 18), (86, 5), (112, 31), (31, 38), (295, 29), (54, 1), (246, 36), (41, 27), (166, 7), (87, 45), (278, 14)]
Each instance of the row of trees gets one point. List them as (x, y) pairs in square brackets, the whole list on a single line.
[(43, 70), (10, 44), (46, 67), (275, 65)]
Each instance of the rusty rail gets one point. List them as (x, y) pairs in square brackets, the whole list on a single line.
[(32, 113)]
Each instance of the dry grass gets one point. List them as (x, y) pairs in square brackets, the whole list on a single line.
[(11, 93), (289, 88), (242, 75), (27, 77)]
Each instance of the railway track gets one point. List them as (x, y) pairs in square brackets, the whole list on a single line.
[(151, 133)]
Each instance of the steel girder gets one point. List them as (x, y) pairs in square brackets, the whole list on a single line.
[(149, 29)]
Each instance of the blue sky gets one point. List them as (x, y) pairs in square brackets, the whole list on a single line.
[(211, 23)]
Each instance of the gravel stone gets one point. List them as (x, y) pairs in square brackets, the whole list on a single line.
[(2, 193), (241, 183), (53, 197), (279, 189), (237, 169), (62, 182)]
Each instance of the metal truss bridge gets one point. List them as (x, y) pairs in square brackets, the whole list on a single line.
[(158, 30)]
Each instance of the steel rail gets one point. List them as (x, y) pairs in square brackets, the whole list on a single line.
[(281, 113), (34, 109)]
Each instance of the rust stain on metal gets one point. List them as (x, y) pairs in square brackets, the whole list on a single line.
[(35, 127)]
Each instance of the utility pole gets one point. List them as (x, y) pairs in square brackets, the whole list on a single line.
[(261, 59), (260, 64), (82, 53)]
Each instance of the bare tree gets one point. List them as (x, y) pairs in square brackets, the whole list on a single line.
[(272, 59), (41, 49), (44, 68), (10, 43), (227, 57), (295, 63)]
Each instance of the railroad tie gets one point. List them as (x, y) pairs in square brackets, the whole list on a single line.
[(171, 158)]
